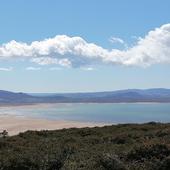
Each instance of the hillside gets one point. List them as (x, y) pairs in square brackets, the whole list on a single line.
[(118, 147), (131, 95), (10, 97), (7, 97)]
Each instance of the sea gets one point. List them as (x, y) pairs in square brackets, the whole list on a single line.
[(94, 112)]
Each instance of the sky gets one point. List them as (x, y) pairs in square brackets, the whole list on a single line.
[(80, 46)]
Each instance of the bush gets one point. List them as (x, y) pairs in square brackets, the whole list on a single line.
[(118, 147), (158, 151), (165, 164), (111, 162)]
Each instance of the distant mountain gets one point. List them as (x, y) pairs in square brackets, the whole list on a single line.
[(10, 97), (119, 96), (7, 97), (129, 95)]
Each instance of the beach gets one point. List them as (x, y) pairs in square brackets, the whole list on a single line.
[(16, 124)]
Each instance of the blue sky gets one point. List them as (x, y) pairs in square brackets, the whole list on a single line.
[(94, 22)]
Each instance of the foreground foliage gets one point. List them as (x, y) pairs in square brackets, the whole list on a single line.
[(119, 147)]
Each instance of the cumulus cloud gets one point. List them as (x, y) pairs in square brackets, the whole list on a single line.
[(48, 61), (67, 51), (33, 68), (6, 68)]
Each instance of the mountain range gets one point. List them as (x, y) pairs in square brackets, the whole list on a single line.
[(119, 96)]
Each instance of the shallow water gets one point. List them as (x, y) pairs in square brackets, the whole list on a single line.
[(104, 113)]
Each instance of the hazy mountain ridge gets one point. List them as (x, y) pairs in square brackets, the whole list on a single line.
[(129, 95)]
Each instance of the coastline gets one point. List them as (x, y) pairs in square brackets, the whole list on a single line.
[(16, 124), (65, 103)]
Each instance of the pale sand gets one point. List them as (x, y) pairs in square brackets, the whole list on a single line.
[(17, 124)]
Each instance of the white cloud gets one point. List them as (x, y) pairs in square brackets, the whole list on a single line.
[(87, 68), (48, 61), (45, 60), (6, 68), (116, 40), (33, 68), (67, 51)]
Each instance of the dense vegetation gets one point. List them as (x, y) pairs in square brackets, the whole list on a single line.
[(119, 147)]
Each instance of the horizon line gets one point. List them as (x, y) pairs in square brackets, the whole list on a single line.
[(72, 92)]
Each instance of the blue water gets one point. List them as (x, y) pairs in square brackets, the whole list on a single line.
[(104, 113)]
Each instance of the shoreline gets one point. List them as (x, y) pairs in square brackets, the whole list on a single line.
[(17, 124), (64, 103)]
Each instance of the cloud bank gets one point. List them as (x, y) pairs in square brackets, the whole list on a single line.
[(67, 51)]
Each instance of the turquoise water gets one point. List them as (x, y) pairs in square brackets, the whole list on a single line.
[(105, 113)]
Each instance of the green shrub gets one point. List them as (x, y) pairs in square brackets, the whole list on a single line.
[(111, 162)]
